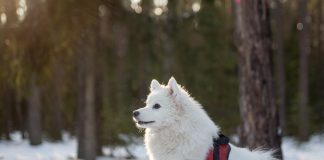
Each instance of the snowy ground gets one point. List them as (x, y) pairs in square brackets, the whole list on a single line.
[(311, 150), (19, 149)]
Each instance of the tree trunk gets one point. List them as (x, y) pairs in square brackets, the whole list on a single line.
[(304, 50), (280, 65), (320, 59), (23, 107), (121, 49), (120, 34), (8, 99), (144, 68), (98, 108), (57, 101), (166, 35), (34, 112), (260, 119), (57, 121), (101, 68), (86, 107)]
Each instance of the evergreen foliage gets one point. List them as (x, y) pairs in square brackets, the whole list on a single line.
[(131, 49)]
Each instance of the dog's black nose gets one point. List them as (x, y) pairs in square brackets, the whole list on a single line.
[(136, 113)]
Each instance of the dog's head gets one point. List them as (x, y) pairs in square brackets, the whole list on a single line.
[(161, 108)]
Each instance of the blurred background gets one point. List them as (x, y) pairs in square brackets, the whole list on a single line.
[(71, 65)]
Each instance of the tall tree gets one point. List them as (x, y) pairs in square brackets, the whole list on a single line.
[(260, 119), (317, 64), (120, 48), (86, 25), (280, 64), (86, 129), (7, 87), (35, 61), (57, 100), (166, 33), (144, 50), (6, 115), (304, 50), (34, 113)]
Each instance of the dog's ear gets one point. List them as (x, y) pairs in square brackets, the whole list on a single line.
[(173, 86), (154, 85)]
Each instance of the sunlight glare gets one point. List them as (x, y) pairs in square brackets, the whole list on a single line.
[(135, 5), (102, 10), (136, 1), (160, 3), (138, 9), (3, 18), (300, 26), (196, 6), (20, 12), (158, 11), (21, 9)]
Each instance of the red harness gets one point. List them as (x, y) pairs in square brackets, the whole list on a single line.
[(220, 150)]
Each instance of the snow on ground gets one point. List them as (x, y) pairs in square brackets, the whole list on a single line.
[(19, 149), (311, 150)]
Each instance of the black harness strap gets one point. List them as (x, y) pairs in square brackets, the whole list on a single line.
[(222, 140)]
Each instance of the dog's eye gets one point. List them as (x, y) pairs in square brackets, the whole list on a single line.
[(156, 106)]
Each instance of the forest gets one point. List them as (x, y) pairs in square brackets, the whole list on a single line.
[(81, 67)]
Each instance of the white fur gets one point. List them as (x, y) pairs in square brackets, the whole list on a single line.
[(182, 130)]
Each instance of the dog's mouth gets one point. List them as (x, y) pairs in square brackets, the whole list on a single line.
[(144, 122)]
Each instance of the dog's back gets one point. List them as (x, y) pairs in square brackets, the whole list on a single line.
[(245, 154)]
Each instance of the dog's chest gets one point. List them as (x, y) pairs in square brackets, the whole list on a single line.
[(174, 147)]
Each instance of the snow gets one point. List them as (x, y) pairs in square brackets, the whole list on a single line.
[(311, 150), (19, 149)]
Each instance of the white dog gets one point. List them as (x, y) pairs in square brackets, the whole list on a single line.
[(177, 127)]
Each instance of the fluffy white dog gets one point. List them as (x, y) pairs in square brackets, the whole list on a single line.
[(177, 127)]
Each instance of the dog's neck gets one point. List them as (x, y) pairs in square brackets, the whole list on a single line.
[(168, 141)]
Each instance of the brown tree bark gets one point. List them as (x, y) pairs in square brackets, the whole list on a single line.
[(101, 69), (8, 105), (9, 93), (166, 31), (304, 50), (34, 112), (121, 50), (120, 43), (86, 97), (146, 40), (98, 108), (280, 64), (260, 119), (319, 57), (57, 99)]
